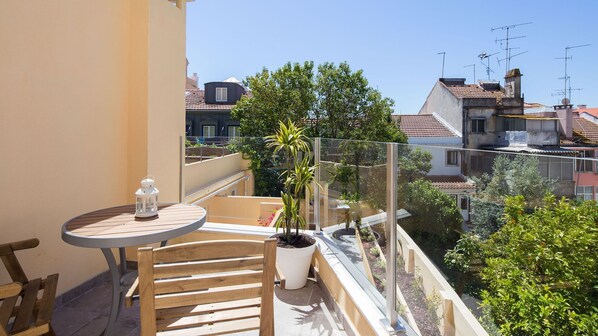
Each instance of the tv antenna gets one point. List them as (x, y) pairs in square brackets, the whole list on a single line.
[(507, 39), (510, 56), (563, 92), (566, 77), (471, 65), (486, 56), (443, 55)]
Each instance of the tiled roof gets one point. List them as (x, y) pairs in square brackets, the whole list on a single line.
[(473, 91), (195, 100), (423, 125), (585, 129), (592, 111), (450, 182)]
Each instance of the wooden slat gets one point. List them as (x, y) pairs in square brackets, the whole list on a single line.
[(206, 250), (207, 281), (23, 318), (9, 290), (35, 331), (212, 295), (14, 268), (216, 329), (6, 309), (211, 307), (47, 301), (267, 308), (204, 267), (216, 317), (147, 308)]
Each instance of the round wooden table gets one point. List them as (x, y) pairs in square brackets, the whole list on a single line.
[(118, 228)]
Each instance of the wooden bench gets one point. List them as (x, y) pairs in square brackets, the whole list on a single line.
[(207, 288), (26, 306)]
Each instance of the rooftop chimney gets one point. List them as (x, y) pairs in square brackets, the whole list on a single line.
[(513, 83), (195, 79), (452, 81)]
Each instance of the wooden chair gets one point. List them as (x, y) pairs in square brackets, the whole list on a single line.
[(26, 306), (207, 288)]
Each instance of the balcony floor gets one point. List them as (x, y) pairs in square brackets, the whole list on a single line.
[(304, 311)]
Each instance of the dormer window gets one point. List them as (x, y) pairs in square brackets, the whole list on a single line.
[(221, 94)]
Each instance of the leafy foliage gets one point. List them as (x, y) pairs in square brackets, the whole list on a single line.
[(510, 177), (337, 100), (431, 210), (291, 142), (542, 269)]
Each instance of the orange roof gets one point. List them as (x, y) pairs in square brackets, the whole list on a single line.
[(473, 91), (423, 125), (450, 182), (585, 129), (195, 100), (592, 111)]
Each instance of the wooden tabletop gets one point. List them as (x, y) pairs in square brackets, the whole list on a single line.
[(118, 227)]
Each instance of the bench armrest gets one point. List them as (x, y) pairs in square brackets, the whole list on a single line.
[(11, 289), (132, 294), (280, 278)]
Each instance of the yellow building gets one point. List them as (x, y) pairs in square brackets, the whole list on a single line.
[(92, 101)]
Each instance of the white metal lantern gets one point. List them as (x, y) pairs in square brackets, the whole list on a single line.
[(146, 199)]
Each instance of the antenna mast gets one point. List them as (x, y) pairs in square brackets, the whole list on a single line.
[(566, 77), (483, 56), (507, 49), (443, 55), (471, 65)]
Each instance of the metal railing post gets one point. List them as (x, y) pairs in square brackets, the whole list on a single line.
[(391, 232), (317, 145)]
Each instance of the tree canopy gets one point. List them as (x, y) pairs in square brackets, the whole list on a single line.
[(334, 102), (542, 269), (510, 177)]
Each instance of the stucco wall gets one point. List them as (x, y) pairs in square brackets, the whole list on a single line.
[(80, 125), (442, 102)]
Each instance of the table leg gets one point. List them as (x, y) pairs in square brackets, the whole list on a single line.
[(116, 290)]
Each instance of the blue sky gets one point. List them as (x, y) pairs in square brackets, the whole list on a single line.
[(396, 43)]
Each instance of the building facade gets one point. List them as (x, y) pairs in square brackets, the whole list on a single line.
[(208, 111)]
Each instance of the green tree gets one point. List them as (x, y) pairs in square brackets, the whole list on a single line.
[(510, 177), (336, 100), (431, 210), (542, 269), (284, 94)]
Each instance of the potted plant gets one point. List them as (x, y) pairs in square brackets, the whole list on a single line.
[(294, 249)]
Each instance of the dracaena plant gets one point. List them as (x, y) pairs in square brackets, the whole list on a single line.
[(290, 142)]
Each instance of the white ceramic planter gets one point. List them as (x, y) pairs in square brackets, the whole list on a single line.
[(294, 264)]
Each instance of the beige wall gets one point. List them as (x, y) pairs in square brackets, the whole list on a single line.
[(91, 102), (241, 210), (202, 174)]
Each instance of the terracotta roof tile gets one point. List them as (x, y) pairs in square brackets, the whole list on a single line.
[(195, 100), (473, 91), (423, 125), (585, 129), (450, 182), (592, 111)]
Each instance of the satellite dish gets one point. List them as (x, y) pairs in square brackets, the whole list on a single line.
[(565, 101)]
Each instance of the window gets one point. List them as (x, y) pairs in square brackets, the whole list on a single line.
[(585, 165), (209, 131), (452, 157), (478, 125), (584, 193), (464, 203), (234, 131), (221, 94), (556, 168)]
